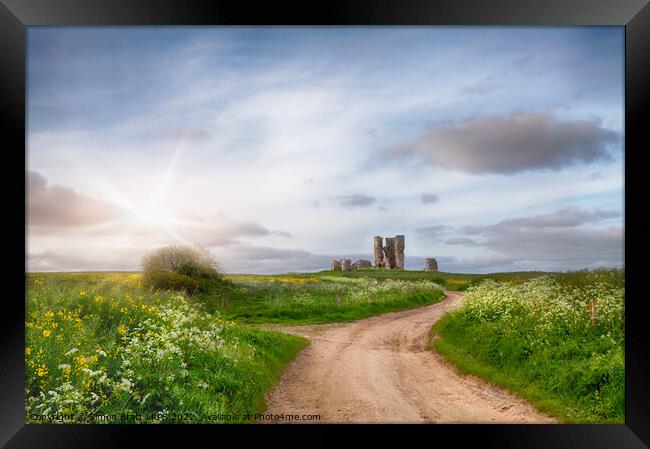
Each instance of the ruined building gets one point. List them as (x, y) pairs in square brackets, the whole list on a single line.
[(391, 255), (346, 264), (430, 264)]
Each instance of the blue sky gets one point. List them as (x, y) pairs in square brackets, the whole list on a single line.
[(281, 148)]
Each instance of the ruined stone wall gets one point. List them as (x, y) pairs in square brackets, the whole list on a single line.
[(391, 255), (379, 251), (390, 252), (399, 252), (430, 264)]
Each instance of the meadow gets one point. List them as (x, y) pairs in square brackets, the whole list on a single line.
[(321, 298), (556, 340), (101, 344), (102, 348)]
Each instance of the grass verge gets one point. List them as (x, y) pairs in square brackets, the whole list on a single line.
[(539, 339)]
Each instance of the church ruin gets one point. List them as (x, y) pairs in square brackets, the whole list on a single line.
[(392, 254)]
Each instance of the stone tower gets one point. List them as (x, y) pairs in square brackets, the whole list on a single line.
[(399, 252), (379, 251), (391, 255)]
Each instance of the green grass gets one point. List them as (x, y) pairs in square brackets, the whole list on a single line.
[(536, 338), (104, 344), (302, 299), (97, 343)]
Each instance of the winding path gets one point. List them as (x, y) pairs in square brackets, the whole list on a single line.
[(379, 370)]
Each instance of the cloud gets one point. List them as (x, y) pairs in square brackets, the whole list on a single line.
[(471, 229), (60, 206), (562, 218), (487, 85), (553, 241), (190, 135), (461, 241), (58, 211), (281, 233), (355, 200), (86, 258), (560, 247), (429, 198), (210, 231), (432, 232), (511, 144)]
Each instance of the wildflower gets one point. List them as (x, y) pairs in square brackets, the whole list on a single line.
[(70, 352), (47, 333), (82, 293), (28, 350), (100, 352), (124, 310), (125, 384), (121, 330), (64, 366), (81, 361), (41, 371)]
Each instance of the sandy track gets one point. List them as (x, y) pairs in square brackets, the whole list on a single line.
[(378, 370)]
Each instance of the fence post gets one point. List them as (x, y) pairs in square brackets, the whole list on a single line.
[(592, 312)]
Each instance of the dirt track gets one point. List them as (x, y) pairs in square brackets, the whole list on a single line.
[(378, 370)]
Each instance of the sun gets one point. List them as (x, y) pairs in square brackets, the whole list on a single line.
[(150, 217)]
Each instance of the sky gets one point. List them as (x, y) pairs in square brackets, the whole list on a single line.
[(282, 148)]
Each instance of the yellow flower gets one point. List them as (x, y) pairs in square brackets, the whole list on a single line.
[(28, 350), (99, 298), (81, 361), (121, 330), (46, 333), (49, 315), (124, 310), (41, 371), (82, 293)]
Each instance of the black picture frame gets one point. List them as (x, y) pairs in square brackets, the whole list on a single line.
[(634, 15)]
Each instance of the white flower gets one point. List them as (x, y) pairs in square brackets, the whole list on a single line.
[(64, 366), (70, 352)]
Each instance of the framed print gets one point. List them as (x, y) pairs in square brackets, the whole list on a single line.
[(350, 213)]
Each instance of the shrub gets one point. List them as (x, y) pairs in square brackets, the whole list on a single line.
[(189, 268)]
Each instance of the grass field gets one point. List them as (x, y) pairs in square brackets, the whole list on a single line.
[(322, 298), (100, 345), (541, 338)]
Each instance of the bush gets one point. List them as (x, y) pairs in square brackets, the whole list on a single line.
[(189, 268)]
